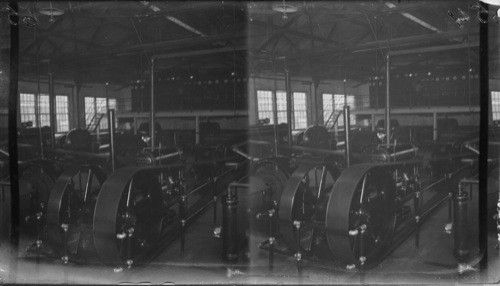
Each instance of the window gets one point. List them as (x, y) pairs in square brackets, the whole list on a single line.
[(44, 109), (27, 109), (335, 102), (97, 105), (281, 98), (495, 105), (328, 118), (265, 105), (62, 117), (299, 110)]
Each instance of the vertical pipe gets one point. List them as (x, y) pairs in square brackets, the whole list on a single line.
[(388, 102), (152, 108), (461, 249), (347, 127), (275, 111), (434, 127), (230, 225), (373, 122), (111, 121), (52, 110), (288, 105), (484, 98), (197, 129), (76, 96)]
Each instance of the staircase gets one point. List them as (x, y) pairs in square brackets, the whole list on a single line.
[(94, 122), (333, 118)]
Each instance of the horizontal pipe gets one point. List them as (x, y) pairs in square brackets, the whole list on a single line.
[(169, 155), (469, 181), (433, 184), (239, 185), (199, 187)]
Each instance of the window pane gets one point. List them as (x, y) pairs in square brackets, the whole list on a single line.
[(62, 113), (495, 105), (265, 105), (281, 98), (89, 109), (299, 110), (27, 107)]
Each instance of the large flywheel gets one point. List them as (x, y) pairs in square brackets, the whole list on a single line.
[(128, 216), (304, 202), (361, 215), (70, 206), (273, 175)]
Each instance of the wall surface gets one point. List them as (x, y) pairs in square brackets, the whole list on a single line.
[(361, 93)]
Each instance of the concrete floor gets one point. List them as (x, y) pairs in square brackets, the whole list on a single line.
[(202, 263)]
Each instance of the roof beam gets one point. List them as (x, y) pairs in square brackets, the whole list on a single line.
[(392, 43)]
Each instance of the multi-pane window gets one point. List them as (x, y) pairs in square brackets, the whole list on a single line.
[(265, 105), (328, 117), (44, 109), (96, 107), (62, 113), (27, 109), (335, 103), (495, 105), (89, 109), (281, 99), (299, 110)]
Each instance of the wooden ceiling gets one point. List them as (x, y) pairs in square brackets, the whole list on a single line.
[(114, 41)]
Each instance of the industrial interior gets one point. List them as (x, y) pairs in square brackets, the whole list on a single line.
[(297, 142)]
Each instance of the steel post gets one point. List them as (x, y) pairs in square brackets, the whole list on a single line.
[(229, 225), (152, 107), (388, 102), (347, 127)]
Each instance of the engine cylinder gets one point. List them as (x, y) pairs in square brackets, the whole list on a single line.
[(402, 152)]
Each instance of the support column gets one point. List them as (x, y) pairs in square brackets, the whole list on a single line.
[(152, 109), (197, 128), (52, 110), (289, 105), (373, 122), (347, 130), (111, 126), (434, 126), (388, 102)]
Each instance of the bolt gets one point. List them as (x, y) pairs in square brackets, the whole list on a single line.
[(298, 256), (272, 240), (296, 223), (65, 227)]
